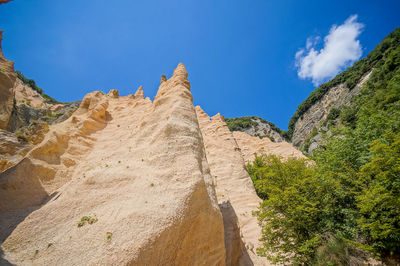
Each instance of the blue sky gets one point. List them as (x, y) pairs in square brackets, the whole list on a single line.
[(240, 55)]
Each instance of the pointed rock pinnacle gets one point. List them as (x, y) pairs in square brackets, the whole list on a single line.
[(139, 92)]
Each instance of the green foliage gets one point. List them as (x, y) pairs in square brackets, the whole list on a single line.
[(323, 213), (246, 122), (87, 219), (30, 82), (240, 123), (300, 209), (333, 114), (56, 115), (387, 52), (379, 200), (21, 135), (108, 236)]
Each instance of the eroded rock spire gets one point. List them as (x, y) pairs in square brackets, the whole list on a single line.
[(139, 92)]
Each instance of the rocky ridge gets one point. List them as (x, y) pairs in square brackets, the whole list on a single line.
[(154, 189), (336, 98), (256, 126)]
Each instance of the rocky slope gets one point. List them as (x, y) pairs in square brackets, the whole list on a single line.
[(24, 114), (250, 145), (256, 126), (336, 98)]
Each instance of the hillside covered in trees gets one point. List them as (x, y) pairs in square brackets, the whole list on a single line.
[(345, 204)]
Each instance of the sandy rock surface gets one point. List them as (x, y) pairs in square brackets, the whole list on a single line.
[(136, 168), (235, 192), (7, 80), (26, 95), (249, 145)]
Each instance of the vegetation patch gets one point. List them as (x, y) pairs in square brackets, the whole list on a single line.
[(87, 220), (108, 236), (55, 115)]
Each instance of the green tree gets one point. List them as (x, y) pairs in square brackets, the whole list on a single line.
[(379, 202), (302, 214)]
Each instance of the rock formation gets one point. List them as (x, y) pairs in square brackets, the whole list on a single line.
[(124, 180), (337, 97), (235, 191), (137, 168), (7, 80), (255, 126), (250, 145), (24, 114)]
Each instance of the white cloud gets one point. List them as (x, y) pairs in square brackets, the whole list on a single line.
[(341, 49)]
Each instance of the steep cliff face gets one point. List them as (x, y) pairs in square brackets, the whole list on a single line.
[(336, 98), (7, 80), (235, 191), (137, 167)]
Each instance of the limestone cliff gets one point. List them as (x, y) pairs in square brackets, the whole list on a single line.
[(336, 98)]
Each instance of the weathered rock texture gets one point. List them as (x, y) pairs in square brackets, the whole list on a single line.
[(12, 149), (164, 183), (7, 80), (24, 112), (336, 97), (235, 192), (138, 166), (261, 128), (250, 145)]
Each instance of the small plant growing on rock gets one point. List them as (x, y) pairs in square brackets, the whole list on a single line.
[(108, 236), (20, 135), (87, 219)]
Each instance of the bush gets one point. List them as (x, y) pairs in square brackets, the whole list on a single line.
[(300, 208), (379, 200), (333, 114), (240, 123)]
